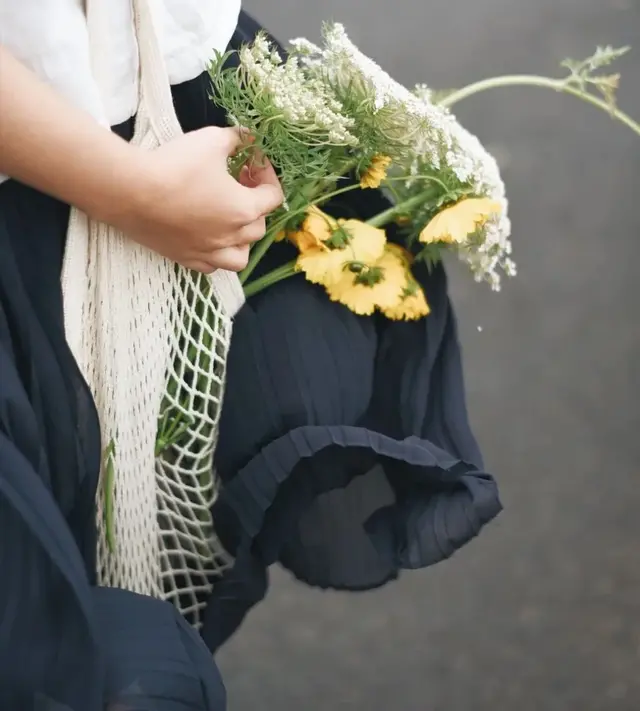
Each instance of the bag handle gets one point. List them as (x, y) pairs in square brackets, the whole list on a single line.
[(155, 109), (156, 103)]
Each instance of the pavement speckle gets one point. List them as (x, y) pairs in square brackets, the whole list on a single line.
[(542, 612)]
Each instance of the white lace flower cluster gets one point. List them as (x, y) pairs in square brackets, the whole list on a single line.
[(489, 254), (334, 95), (472, 163), (437, 140), (340, 64), (303, 100)]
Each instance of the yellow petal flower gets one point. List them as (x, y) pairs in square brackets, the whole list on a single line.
[(376, 172), (454, 224), (316, 228), (319, 224), (351, 241), (305, 240), (375, 285), (411, 306), (404, 254)]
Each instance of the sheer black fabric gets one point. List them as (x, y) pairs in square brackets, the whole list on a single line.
[(345, 447), (65, 644), (354, 459)]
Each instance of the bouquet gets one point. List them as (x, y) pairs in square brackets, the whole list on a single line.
[(331, 121), (344, 452), (337, 128)]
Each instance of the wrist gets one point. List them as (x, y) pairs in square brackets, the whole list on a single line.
[(129, 187)]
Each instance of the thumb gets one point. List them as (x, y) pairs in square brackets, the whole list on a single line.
[(263, 187), (229, 140), (259, 170), (266, 197)]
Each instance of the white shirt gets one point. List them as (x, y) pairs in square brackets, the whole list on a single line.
[(51, 37)]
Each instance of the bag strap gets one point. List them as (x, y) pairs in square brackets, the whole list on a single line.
[(155, 109), (156, 102)]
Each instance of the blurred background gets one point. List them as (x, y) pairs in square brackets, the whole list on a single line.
[(542, 611)]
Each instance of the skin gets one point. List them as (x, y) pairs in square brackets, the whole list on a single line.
[(178, 200)]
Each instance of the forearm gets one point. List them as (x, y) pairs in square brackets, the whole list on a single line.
[(54, 147)]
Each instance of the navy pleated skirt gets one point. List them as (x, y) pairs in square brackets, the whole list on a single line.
[(345, 446), (64, 643)]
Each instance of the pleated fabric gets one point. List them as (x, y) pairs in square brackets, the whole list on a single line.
[(65, 644), (345, 445)]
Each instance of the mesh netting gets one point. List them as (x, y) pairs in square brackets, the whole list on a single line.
[(153, 351), (151, 339), (190, 554)]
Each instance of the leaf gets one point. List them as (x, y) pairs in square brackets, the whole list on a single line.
[(607, 86), (604, 56)]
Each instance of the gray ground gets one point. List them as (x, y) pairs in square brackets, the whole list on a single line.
[(542, 612)]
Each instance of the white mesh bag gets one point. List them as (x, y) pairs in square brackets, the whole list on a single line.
[(151, 339)]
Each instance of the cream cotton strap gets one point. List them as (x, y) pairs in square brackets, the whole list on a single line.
[(151, 339)]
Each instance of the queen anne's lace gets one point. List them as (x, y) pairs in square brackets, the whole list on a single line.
[(354, 103), (292, 90), (439, 141)]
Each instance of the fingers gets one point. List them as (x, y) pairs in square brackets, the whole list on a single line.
[(235, 256), (252, 232), (262, 196), (266, 198), (228, 140), (258, 170), (266, 190), (244, 177), (263, 193), (233, 259)]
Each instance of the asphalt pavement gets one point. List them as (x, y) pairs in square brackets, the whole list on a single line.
[(542, 611)]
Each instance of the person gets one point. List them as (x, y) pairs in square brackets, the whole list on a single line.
[(65, 643)]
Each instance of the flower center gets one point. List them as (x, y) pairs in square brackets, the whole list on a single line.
[(365, 275), (339, 239)]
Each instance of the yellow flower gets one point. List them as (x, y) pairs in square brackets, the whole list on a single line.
[(350, 241), (305, 240), (376, 172), (316, 228), (364, 287), (404, 254), (412, 304), (454, 224), (319, 224)]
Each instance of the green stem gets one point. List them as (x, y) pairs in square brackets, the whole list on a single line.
[(263, 245), (383, 218), (559, 85), (283, 272), (256, 255)]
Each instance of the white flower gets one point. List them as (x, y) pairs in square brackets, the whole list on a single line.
[(473, 164), (303, 100), (408, 119), (303, 46)]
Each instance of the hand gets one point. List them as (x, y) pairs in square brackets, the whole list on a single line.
[(188, 207)]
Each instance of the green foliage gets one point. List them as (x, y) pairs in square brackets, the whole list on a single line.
[(584, 77)]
